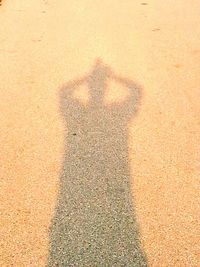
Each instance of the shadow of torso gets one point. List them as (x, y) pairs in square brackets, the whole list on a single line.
[(94, 222)]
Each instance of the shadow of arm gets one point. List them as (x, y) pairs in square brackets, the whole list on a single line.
[(68, 103), (130, 105)]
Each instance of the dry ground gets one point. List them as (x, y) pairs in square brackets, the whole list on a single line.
[(44, 44)]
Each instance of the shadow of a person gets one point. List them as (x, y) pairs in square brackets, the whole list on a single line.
[(94, 222)]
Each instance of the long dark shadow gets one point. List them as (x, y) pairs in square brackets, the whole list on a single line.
[(94, 222)]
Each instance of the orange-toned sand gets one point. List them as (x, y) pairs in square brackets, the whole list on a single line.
[(43, 45)]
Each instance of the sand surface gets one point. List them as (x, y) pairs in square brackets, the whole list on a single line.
[(154, 44)]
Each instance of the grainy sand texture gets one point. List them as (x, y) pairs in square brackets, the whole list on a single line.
[(99, 133)]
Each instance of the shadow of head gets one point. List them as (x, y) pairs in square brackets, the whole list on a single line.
[(104, 90)]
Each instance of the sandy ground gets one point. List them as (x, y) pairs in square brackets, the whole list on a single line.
[(156, 44)]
